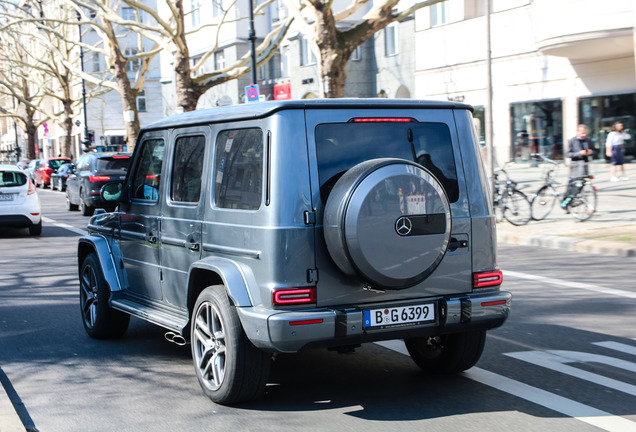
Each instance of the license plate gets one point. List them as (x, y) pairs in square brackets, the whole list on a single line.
[(399, 316), (6, 197)]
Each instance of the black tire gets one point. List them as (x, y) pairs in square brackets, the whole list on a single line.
[(35, 230), (85, 209), (449, 353), (517, 208), (583, 205), (100, 320), (230, 369), (69, 205), (543, 202)]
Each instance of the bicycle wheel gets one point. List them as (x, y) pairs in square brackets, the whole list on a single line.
[(517, 208), (583, 205), (543, 202)]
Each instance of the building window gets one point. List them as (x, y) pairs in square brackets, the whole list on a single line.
[(195, 12), (357, 54), (132, 65), (599, 113), (96, 63), (217, 8), (439, 14), (391, 40), (193, 62), (141, 101), (284, 62), (307, 56), (537, 127), (219, 60), (128, 13)]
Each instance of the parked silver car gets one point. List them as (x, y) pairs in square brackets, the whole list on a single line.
[(282, 226)]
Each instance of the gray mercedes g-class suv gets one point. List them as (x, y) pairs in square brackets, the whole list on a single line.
[(281, 226)]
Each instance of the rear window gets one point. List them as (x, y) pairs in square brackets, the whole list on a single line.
[(12, 178), (340, 146), (115, 163), (56, 163)]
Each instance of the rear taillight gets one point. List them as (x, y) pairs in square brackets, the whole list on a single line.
[(94, 178), (294, 296), (487, 279), (32, 188)]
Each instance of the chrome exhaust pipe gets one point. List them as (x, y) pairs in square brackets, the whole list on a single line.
[(175, 338)]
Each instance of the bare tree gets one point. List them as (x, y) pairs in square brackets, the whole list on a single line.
[(333, 45), (170, 34)]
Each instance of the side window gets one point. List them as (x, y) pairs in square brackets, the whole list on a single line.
[(238, 174), (83, 164), (187, 169), (147, 175)]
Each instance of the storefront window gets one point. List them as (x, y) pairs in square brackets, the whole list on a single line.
[(599, 113), (537, 127)]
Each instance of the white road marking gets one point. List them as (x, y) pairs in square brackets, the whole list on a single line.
[(556, 360), (617, 346), (569, 284), (65, 226), (579, 411), (560, 404)]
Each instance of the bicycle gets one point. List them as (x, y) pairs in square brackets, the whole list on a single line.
[(508, 201), (542, 202), (582, 203)]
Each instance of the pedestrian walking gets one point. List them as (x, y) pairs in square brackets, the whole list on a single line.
[(579, 150), (614, 149)]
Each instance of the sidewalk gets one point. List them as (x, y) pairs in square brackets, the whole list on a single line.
[(612, 229)]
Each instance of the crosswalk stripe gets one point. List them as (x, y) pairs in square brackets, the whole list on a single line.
[(65, 226), (579, 411), (570, 284), (617, 346)]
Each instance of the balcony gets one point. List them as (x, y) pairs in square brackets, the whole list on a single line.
[(584, 29)]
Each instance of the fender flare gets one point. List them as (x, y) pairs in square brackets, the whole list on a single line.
[(236, 278), (98, 244)]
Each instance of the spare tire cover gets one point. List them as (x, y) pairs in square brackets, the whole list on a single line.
[(388, 223)]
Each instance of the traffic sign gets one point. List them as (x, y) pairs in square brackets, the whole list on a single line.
[(251, 93)]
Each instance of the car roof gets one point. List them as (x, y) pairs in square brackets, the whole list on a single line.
[(108, 154), (10, 168), (258, 110)]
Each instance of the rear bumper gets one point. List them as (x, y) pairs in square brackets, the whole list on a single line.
[(279, 331)]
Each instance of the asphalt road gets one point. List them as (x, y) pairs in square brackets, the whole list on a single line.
[(565, 360)]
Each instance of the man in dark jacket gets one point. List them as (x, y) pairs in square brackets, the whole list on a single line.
[(579, 151)]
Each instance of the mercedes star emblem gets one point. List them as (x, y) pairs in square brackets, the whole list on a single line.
[(403, 226)]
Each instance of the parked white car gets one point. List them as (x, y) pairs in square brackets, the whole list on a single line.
[(19, 202)]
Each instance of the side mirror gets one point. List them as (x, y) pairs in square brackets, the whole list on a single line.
[(112, 192)]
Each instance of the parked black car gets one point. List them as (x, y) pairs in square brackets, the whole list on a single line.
[(92, 171), (58, 178)]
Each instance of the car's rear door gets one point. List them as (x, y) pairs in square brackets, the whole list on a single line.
[(180, 227)]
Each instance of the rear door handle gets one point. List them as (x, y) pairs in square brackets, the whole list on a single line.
[(151, 238), (193, 246)]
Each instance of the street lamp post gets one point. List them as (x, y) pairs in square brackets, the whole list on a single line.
[(86, 142), (252, 39)]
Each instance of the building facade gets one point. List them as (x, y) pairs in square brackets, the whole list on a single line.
[(555, 64)]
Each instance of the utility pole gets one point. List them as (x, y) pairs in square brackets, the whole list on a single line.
[(86, 141), (490, 146)]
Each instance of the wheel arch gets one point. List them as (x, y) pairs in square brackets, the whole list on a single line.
[(99, 245), (219, 271)]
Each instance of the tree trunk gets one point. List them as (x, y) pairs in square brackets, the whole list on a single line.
[(65, 144), (187, 91), (127, 94)]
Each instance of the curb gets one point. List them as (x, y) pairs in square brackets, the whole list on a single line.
[(569, 243)]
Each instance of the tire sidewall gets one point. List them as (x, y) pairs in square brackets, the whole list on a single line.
[(216, 296)]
